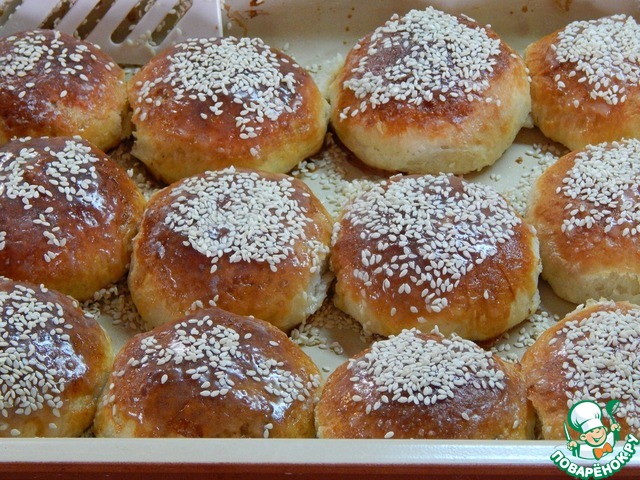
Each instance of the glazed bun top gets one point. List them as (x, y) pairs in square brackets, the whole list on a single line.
[(207, 104), (54, 360), (53, 84), (68, 215), (211, 374), (419, 385), (424, 66), (598, 59)]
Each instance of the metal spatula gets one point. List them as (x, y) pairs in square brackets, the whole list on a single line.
[(131, 31)]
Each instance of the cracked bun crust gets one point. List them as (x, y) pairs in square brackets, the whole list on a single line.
[(248, 242), (418, 385), (68, 214), (212, 374), (428, 93), (585, 81), (55, 361), (213, 103), (52, 84), (425, 251)]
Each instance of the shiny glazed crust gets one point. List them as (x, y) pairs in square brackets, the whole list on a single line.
[(167, 385), (169, 277), (62, 365), (182, 132), (352, 405), (68, 220), (75, 89), (453, 135), (570, 115)]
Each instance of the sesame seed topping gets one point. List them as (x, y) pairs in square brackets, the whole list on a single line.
[(213, 355), (408, 368), (440, 58), (443, 227), (30, 380), (602, 359), (68, 171), (602, 188), (242, 216), (223, 72), (37, 54), (604, 54)]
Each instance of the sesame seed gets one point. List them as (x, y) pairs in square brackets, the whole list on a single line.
[(114, 302), (39, 56)]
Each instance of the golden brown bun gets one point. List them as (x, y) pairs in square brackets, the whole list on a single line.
[(68, 215), (54, 362), (584, 209), (578, 97), (591, 354), (212, 374), (52, 84), (408, 253), (212, 103), (252, 243), (418, 385), (433, 122)]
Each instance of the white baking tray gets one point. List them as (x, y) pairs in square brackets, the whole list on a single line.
[(318, 34)]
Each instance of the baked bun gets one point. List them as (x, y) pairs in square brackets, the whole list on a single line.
[(54, 361), (207, 104), (425, 251), (213, 374), (67, 215), (428, 93), (592, 354), (585, 81), (418, 385), (585, 211), (52, 84), (248, 242)]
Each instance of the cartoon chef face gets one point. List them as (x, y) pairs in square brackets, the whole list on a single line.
[(595, 437), (586, 417)]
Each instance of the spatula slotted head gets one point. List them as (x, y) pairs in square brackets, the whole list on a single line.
[(131, 31)]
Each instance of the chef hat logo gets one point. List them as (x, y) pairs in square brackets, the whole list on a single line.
[(584, 416)]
